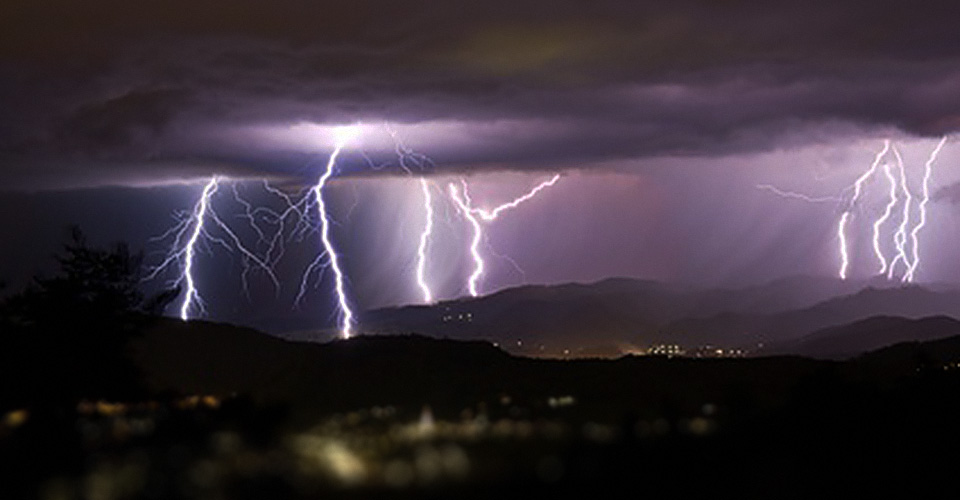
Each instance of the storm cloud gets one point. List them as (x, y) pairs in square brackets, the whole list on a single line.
[(105, 90)]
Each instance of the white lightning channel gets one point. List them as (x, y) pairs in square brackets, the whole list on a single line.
[(190, 232), (346, 315), (883, 218), (842, 235), (914, 235), (465, 204), (797, 196), (424, 241), (475, 243), (270, 224), (408, 161), (900, 238), (844, 218), (489, 215), (247, 254), (199, 214)]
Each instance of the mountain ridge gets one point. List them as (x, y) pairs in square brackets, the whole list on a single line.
[(621, 315)]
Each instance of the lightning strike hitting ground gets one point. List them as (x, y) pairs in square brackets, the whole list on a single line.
[(844, 218), (464, 203), (883, 218), (914, 235), (330, 253), (474, 243), (199, 213), (900, 238), (409, 160), (905, 239), (424, 241), (188, 234)]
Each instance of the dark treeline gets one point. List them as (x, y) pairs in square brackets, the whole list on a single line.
[(64, 337)]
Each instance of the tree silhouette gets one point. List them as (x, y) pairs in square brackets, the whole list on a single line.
[(65, 337)]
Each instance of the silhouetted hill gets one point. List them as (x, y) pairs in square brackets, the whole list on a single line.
[(410, 371), (784, 294), (556, 315), (608, 317), (202, 357), (752, 329), (848, 341), (600, 317), (905, 358)]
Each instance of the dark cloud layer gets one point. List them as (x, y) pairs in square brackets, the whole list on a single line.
[(92, 87)]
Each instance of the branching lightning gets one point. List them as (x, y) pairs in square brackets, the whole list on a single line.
[(906, 240), (200, 228), (883, 218), (468, 213), (188, 234), (914, 235), (489, 215), (900, 238), (274, 239), (857, 190), (464, 203), (410, 159), (797, 196)]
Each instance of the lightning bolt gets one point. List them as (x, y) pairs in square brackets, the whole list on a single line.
[(845, 217), (191, 231), (270, 218), (475, 242), (330, 252), (842, 236), (797, 196), (410, 159), (900, 238), (299, 210), (464, 203), (914, 235), (199, 214), (347, 319), (424, 241), (886, 215), (489, 215)]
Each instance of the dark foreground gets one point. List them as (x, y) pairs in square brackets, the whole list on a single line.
[(411, 417)]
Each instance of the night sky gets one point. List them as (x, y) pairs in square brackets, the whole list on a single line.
[(661, 119)]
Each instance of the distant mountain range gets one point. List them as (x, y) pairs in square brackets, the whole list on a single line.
[(745, 329), (853, 339), (617, 316)]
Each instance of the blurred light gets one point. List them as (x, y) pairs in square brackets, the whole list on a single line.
[(426, 425), (561, 401), (16, 418)]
